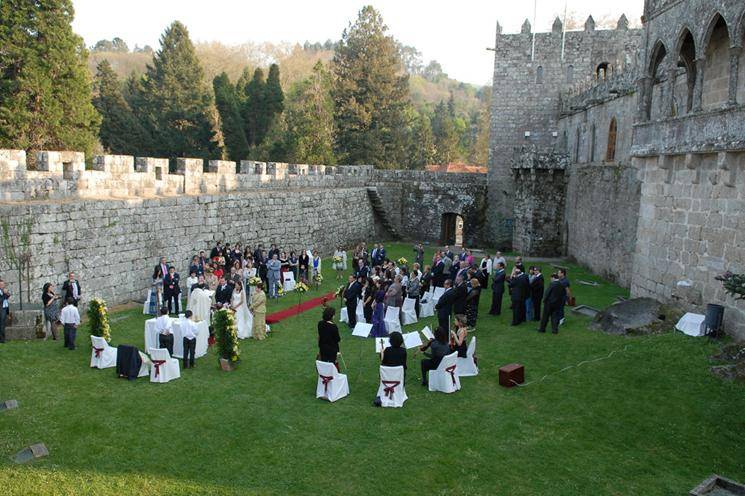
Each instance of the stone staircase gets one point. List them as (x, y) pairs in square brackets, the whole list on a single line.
[(381, 214)]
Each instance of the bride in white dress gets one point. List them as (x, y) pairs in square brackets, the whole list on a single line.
[(243, 317)]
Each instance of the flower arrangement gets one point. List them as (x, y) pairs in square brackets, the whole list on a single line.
[(301, 287), (227, 335), (734, 284), (318, 278), (280, 290), (98, 316), (337, 259), (402, 261), (339, 292), (254, 281)]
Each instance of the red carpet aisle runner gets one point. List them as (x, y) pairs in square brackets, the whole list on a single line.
[(298, 309)]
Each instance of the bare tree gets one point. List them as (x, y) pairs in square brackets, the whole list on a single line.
[(16, 241)]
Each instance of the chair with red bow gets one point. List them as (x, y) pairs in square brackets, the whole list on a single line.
[(467, 367), (164, 367), (391, 391), (445, 378), (331, 384), (103, 356)]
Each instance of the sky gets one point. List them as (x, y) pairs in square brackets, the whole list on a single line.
[(455, 33)]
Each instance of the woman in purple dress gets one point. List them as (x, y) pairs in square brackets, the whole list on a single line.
[(378, 329)]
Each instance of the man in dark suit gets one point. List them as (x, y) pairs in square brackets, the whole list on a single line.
[(381, 254), (172, 290), (4, 306), (223, 294), (161, 270), (536, 291), (448, 253), (71, 288), (461, 293), (444, 305), (216, 251), (257, 254), (351, 296), (554, 304), (438, 274), (519, 289), (497, 287)]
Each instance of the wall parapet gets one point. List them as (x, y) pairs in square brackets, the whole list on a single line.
[(614, 85), (530, 158)]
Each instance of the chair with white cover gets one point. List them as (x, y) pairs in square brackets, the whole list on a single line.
[(360, 312), (344, 315), (103, 356), (391, 391), (437, 293), (331, 384), (408, 311), (467, 366), (288, 281), (164, 367), (427, 305), (392, 319), (147, 364), (445, 378)]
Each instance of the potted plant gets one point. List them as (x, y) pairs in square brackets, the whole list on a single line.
[(98, 318), (227, 339)]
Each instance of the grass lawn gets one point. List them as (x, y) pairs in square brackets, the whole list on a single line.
[(650, 420)]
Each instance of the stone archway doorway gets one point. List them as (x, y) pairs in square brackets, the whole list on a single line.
[(451, 231)]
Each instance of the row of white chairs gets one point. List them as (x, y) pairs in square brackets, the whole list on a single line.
[(332, 385), (394, 316), (160, 365)]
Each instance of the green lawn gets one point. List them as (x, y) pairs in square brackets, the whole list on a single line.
[(650, 420)]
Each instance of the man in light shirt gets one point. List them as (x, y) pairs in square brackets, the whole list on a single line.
[(189, 332), (164, 326), (70, 318)]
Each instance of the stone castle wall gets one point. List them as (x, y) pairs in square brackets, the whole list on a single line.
[(111, 224)]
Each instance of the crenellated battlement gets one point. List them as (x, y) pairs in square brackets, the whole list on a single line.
[(590, 93)]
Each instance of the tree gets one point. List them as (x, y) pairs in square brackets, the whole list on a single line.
[(446, 137), (433, 72), (253, 106), (370, 94), (45, 89), (411, 58), (121, 132), (177, 105), (16, 242), (422, 143), (273, 101), (230, 116), (119, 45)]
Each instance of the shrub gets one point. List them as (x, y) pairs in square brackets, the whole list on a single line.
[(227, 335), (98, 319)]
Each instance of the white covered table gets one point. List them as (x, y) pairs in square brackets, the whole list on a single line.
[(151, 337)]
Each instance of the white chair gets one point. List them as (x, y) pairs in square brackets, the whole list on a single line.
[(147, 364), (436, 294), (360, 312), (408, 311), (445, 378), (427, 305), (103, 356), (391, 391), (331, 384), (344, 315), (392, 321), (467, 366), (164, 367), (288, 282)]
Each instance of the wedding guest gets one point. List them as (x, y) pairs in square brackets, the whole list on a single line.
[(4, 306), (472, 303), (70, 319), (413, 289), (195, 267), (211, 279), (378, 316), (284, 266), (536, 291), (316, 265), (189, 332), (71, 288), (368, 299), (498, 258), (351, 296), (485, 267), (564, 280), (444, 305), (439, 348), (497, 287), (190, 282), (258, 309), (202, 259), (362, 269), (218, 267), (273, 250), (303, 265), (293, 262), (394, 295), (164, 326), (249, 272), (519, 264), (51, 310), (459, 336), (426, 280), (239, 305), (263, 270), (554, 304), (519, 289), (459, 298), (273, 267), (419, 257), (172, 290), (395, 354), (160, 270), (328, 337), (223, 294), (341, 255), (216, 251)]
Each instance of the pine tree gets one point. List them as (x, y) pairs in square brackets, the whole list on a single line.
[(273, 101), (230, 116), (446, 137), (178, 105), (370, 94), (253, 108), (121, 133), (422, 143), (45, 88)]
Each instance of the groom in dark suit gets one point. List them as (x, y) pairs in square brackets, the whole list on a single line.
[(223, 294), (351, 295), (172, 290)]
